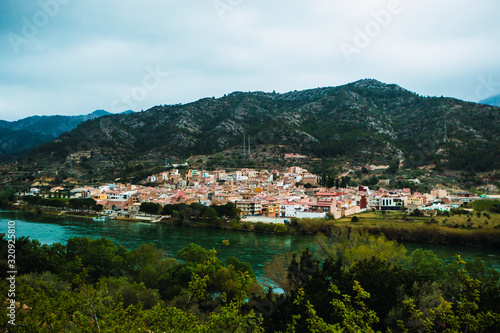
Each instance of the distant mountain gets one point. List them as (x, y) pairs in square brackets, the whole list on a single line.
[(29, 132), (493, 100), (363, 122)]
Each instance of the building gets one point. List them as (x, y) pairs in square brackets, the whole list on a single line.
[(326, 206), (271, 208), (249, 208), (219, 174), (392, 203), (290, 209)]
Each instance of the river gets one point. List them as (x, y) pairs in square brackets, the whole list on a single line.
[(255, 248)]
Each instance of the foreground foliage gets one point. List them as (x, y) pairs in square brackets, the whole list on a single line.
[(360, 284)]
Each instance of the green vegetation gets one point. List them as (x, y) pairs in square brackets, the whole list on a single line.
[(486, 205), (460, 227), (361, 283), (196, 213), (7, 197), (79, 204)]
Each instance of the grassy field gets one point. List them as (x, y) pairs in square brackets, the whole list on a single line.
[(463, 230), (472, 221)]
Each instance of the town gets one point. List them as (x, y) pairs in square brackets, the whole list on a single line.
[(260, 196)]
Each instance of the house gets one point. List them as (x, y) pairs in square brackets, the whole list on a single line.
[(249, 173), (347, 207), (327, 206), (249, 208), (465, 194), (308, 178), (219, 174), (99, 196), (311, 215), (439, 193), (290, 209), (271, 208), (362, 202), (416, 199), (165, 176), (393, 203), (78, 193), (192, 173), (326, 195), (33, 191)]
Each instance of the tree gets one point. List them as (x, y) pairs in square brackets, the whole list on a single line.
[(464, 315), (381, 279), (393, 167), (427, 265), (150, 208), (193, 253), (169, 209), (357, 246), (276, 270), (81, 203), (210, 216), (355, 315), (100, 257)]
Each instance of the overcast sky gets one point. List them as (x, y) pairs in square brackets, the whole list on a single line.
[(72, 57)]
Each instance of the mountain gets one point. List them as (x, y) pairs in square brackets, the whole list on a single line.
[(29, 132), (493, 100), (363, 122)]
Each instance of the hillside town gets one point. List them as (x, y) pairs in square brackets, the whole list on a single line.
[(271, 196)]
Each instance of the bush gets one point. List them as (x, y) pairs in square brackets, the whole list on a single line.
[(264, 227), (280, 229), (417, 213), (246, 225), (235, 224), (355, 219)]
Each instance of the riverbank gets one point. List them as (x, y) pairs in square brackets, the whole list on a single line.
[(437, 230), (254, 247), (470, 230), (85, 214)]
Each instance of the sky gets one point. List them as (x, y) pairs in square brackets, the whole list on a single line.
[(72, 57)]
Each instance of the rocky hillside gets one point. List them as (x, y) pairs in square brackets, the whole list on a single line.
[(365, 122), (29, 132)]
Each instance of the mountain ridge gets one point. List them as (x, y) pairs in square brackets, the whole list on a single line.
[(493, 100), (363, 122), (22, 134)]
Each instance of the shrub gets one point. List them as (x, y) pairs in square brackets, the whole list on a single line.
[(355, 219), (280, 229), (417, 213), (235, 223)]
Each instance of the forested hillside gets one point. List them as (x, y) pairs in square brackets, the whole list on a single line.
[(363, 122)]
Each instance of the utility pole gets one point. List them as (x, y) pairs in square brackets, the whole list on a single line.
[(248, 146), (244, 144)]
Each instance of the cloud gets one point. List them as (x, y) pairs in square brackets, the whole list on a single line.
[(90, 54)]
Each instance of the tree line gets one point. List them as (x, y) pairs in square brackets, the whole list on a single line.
[(183, 213), (75, 203)]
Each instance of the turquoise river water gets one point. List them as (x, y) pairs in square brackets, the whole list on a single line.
[(255, 248)]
